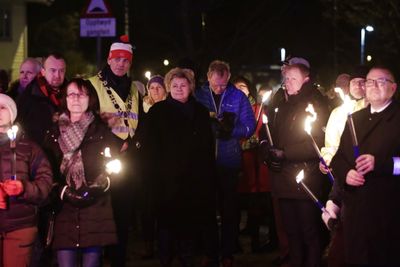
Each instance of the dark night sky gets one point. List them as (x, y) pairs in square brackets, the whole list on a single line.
[(241, 32)]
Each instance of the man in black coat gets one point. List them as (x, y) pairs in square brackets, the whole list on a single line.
[(40, 100), (370, 181), (292, 152)]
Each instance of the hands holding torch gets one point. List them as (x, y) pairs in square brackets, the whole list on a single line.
[(330, 219), (11, 187), (347, 103), (308, 128)]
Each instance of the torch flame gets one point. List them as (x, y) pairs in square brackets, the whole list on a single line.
[(113, 166), (266, 96), (107, 152), (300, 176), (276, 110), (12, 132), (310, 119), (347, 103), (265, 119)]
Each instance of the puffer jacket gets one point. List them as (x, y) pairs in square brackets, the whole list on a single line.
[(234, 101), (34, 170), (92, 225)]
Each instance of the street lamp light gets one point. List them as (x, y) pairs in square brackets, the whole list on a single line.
[(367, 28)]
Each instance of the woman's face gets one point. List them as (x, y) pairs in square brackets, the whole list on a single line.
[(157, 92), (180, 89), (77, 100), (5, 117)]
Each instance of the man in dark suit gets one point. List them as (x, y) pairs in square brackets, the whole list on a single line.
[(371, 181)]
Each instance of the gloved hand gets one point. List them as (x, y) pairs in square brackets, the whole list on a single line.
[(78, 199), (330, 217), (276, 156), (226, 125), (263, 152), (13, 187), (3, 198), (99, 186)]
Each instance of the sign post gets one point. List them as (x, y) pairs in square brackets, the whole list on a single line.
[(97, 21)]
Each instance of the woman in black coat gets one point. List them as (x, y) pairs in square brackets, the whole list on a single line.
[(179, 151), (85, 222)]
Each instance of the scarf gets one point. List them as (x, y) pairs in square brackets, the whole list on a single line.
[(71, 136)]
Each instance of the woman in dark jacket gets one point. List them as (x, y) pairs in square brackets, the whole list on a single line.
[(85, 221), (20, 197), (180, 151)]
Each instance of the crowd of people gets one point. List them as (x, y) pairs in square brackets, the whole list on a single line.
[(192, 158)]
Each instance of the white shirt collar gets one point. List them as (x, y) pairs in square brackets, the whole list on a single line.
[(380, 109)]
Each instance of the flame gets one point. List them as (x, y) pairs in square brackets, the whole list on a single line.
[(113, 166), (347, 103), (276, 110), (300, 176), (310, 119), (265, 119), (107, 152), (266, 96), (12, 132)]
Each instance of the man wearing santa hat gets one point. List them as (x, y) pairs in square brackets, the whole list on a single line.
[(120, 105)]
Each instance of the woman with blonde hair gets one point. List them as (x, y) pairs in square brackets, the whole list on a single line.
[(181, 168), (156, 92)]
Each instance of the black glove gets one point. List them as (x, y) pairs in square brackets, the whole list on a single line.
[(276, 156), (78, 199), (99, 186), (226, 125)]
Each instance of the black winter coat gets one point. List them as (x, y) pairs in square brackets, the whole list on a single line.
[(287, 130), (92, 225), (34, 170), (370, 212), (179, 150)]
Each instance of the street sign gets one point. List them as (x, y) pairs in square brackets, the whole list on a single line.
[(97, 20), (97, 27)]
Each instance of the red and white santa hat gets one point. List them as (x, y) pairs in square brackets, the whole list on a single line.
[(121, 49)]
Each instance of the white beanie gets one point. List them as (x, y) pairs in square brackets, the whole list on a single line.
[(10, 105)]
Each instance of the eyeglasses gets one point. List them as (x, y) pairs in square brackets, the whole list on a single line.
[(75, 95), (379, 82)]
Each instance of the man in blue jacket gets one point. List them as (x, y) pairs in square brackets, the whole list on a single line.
[(233, 119)]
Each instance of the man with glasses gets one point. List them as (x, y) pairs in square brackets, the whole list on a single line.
[(371, 182), (334, 129), (233, 119)]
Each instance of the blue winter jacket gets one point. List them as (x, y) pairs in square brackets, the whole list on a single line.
[(235, 101)]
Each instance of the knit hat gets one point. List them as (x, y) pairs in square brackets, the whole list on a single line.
[(296, 60), (10, 105), (156, 79), (121, 49), (359, 72)]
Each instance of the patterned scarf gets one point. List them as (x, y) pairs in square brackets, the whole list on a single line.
[(71, 136)]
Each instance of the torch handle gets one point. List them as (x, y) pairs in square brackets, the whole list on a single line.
[(269, 134), (321, 159), (259, 113), (13, 164), (353, 134)]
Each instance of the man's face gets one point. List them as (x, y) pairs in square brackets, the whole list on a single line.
[(380, 87), (357, 88), (54, 71), (294, 80), (119, 66), (218, 83), (27, 72)]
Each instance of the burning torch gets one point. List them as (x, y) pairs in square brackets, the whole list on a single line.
[(265, 98), (308, 128), (347, 103), (12, 135)]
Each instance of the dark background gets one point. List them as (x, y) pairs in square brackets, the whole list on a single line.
[(247, 34)]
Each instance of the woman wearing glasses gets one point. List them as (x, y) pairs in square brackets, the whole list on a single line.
[(85, 223)]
